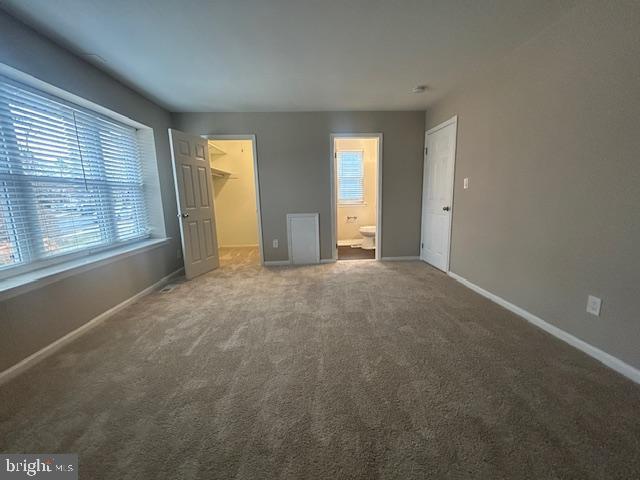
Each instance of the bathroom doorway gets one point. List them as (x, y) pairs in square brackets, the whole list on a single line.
[(236, 199), (356, 161)]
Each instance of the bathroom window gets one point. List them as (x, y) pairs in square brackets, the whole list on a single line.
[(350, 177), (70, 180)]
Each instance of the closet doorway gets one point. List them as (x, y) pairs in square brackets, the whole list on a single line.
[(234, 167)]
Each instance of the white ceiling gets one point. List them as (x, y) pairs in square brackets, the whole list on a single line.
[(290, 55)]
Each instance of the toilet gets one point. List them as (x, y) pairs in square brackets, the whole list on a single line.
[(368, 233)]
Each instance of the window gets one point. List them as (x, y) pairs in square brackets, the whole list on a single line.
[(350, 176), (70, 180)]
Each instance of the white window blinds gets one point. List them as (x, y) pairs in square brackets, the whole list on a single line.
[(70, 179), (350, 176)]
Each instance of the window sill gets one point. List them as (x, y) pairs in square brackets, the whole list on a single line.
[(359, 204), (35, 279)]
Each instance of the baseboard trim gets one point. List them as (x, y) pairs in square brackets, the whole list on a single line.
[(276, 263), (348, 243), (252, 245), (37, 357), (399, 259), (609, 360)]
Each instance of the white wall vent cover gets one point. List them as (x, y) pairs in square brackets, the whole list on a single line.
[(303, 233)]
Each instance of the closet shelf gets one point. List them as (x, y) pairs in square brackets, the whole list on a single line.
[(215, 150), (216, 172)]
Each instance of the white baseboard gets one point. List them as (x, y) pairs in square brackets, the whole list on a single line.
[(50, 349), (609, 360), (275, 263), (399, 259), (252, 245), (348, 243)]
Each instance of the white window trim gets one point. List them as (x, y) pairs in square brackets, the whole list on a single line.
[(353, 204), (64, 259), (28, 281), (19, 278)]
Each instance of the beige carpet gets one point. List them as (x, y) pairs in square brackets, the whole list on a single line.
[(238, 256), (354, 370)]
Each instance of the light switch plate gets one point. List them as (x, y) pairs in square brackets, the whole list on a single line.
[(465, 183), (593, 305), (275, 243)]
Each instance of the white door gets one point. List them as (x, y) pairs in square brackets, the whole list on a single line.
[(437, 194), (194, 192)]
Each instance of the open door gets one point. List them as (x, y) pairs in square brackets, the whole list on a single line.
[(437, 194), (194, 194)]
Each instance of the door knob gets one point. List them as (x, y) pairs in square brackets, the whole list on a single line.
[(446, 209), (183, 215)]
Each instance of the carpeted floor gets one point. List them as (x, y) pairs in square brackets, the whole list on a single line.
[(238, 256), (352, 370)]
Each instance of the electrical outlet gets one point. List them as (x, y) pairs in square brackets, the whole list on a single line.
[(275, 243), (593, 305), (179, 253), (465, 183)]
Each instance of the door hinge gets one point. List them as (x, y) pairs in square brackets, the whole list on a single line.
[(335, 155), (422, 245), (425, 150)]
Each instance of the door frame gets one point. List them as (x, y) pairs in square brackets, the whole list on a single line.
[(452, 121), (256, 178), (334, 199)]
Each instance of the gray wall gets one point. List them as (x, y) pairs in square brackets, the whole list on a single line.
[(293, 167), (33, 320), (550, 141)]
